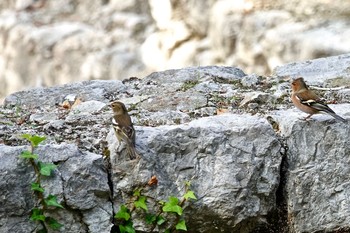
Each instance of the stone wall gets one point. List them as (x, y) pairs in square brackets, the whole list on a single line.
[(254, 165)]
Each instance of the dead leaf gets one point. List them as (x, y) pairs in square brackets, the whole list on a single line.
[(153, 181), (220, 111)]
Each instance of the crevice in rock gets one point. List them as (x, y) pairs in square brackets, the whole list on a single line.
[(108, 166), (277, 219)]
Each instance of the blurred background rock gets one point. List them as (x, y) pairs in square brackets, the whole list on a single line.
[(51, 42)]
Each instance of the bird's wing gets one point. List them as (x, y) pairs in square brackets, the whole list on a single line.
[(318, 105)]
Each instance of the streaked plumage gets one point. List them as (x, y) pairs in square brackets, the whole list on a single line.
[(308, 102), (123, 127)]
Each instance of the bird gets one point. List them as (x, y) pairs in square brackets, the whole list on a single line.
[(123, 127), (308, 102)]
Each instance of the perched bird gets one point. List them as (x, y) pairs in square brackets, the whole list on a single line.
[(307, 101), (123, 127)]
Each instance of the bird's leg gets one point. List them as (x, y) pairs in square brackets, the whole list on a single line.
[(308, 117)]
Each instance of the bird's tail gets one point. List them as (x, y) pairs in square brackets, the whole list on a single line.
[(339, 118), (132, 151)]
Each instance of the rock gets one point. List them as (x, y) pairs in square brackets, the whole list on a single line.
[(188, 126), (80, 186), (257, 97), (317, 174), (319, 70), (250, 80), (218, 156)]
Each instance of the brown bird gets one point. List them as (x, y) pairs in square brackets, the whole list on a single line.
[(308, 102), (123, 127)]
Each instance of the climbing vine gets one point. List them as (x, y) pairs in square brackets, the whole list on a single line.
[(43, 202)]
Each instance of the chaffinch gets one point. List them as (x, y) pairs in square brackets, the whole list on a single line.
[(307, 101), (123, 127)]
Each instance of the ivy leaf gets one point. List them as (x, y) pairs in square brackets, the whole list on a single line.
[(34, 140), (137, 193), (160, 220), (37, 187), (51, 200), (167, 231), (141, 203), (53, 223), (181, 225), (26, 136), (127, 228), (172, 206), (123, 213), (46, 168), (150, 218), (37, 215), (190, 195), (188, 184), (28, 155)]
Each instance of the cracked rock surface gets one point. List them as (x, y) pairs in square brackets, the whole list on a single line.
[(253, 164)]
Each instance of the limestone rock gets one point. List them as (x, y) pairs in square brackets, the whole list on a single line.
[(80, 182), (317, 176)]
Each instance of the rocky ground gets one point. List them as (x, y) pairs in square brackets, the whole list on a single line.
[(255, 166)]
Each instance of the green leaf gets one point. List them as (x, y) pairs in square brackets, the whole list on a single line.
[(181, 225), (172, 206), (167, 231), (188, 184), (51, 200), (53, 224), (26, 136), (34, 140), (127, 227), (190, 195), (28, 155), (123, 213), (141, 203), (150, 218), (137, 193), (37, 215), (160, 220), (46, 168), (37, 187)]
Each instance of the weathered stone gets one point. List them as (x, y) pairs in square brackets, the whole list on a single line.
[(232, 161), (317, 175), (80, 182), (318, 71)]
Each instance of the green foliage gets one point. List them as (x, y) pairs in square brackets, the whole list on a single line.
[(172, 206), (181, 225), (141, 203), (123, 213), (190, 195), (160, 213), (34, 140), (53, 223), (46, 168), (28, 155), (37, 187), (51, 200), (127, 227), (41, 169), (37, 215)]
